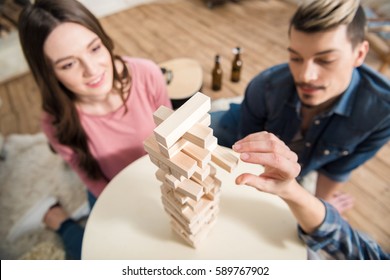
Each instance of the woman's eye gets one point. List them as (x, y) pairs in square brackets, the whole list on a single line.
[(67, 66), (96, 48)]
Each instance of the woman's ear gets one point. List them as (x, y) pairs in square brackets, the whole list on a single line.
[(361, 51)]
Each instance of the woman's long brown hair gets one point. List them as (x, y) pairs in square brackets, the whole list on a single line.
[(36, 22)]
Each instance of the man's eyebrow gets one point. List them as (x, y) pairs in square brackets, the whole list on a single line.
[(68, 57), (318, 53)]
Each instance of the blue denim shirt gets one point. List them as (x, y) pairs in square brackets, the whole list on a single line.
[(336, 142), (336, 237)]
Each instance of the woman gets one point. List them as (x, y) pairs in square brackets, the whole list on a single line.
[(98, 107)]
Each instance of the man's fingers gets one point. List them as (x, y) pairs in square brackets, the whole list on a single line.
[(264, 142), (276, 161), (262, 135), (250, 180)]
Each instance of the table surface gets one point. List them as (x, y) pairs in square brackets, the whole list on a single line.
[(128, 222)]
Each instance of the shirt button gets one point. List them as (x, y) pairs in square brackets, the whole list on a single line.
[(308, 144), (317, 122), (326, 152), (345, 153)]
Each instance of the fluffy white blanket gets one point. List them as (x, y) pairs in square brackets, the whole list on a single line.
[(29, 172)]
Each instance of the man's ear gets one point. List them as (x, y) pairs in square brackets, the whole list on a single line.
[(361, 51)]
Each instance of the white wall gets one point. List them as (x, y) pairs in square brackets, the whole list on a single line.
[(12, 62), (102, 8)]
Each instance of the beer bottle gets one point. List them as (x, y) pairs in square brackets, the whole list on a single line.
[(216, 83), (236, 65)]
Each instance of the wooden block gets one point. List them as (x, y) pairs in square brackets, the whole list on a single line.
[(164, 167), (191, 222), (214, 194), (213, 171), (172, 180), (199, 226), (167, 196), (193, 204), (202, 156), (159, 164), (183, 235), (180, 121), (211, 183), (201, 235), (199, 135), (161, 114), (180, 163), (191, 189), (201, 174), (208, 183), (192, 239), (212, 144), (170, 152), (165, 189), (160, 175), (179, 229), (224, 158), (205, 120), (154, 160), (178, 176), (181, 197), (173, 212), (173, 196), (204, 209)]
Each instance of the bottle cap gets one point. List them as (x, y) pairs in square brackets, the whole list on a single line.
[(236, 50)]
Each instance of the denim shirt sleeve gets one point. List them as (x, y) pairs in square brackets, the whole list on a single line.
[(337, 238)]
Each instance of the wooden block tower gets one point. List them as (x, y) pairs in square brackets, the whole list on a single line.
[(183, 146)]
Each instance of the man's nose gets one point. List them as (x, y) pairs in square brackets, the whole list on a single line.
[(309, 72)]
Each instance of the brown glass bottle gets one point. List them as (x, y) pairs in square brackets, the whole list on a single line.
[(236, 65), (216, 82)]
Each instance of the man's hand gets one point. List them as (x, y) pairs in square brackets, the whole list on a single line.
[(280, 169), (280, 163)]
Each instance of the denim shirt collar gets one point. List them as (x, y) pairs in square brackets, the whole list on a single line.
[(344, 106)]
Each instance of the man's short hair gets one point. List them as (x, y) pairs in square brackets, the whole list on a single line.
[(323, 15)]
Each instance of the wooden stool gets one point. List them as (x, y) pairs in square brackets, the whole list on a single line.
[(211, 3), (381, 47), (184, 78)]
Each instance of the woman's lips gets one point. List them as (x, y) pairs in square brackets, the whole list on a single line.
[(96, 82)]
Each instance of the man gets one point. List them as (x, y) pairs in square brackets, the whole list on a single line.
[(330, 109), (320, 225)]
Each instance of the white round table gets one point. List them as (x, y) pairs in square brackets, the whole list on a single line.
[(128, 222)]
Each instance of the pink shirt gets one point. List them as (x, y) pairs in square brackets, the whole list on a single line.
[(116, 139)]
